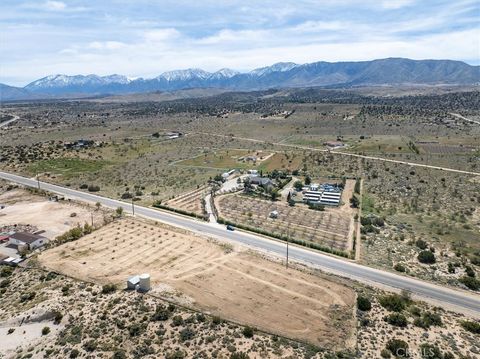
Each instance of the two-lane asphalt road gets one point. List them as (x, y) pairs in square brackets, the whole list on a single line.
[(461, 300)]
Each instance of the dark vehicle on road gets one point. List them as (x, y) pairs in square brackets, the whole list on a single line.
[(230, 227)]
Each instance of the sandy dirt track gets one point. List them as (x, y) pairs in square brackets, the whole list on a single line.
[(233, 284)]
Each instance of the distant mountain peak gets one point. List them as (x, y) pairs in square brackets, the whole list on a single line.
[(224, 73), (60, 80), (183, 75), (391, 71), (278, 67)]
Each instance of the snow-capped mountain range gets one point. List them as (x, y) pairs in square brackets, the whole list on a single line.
[(389, 71)]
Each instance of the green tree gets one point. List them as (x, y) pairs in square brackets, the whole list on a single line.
[(274, 194), (357, 186), (298, 185)]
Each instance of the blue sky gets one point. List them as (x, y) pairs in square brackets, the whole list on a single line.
[(141, 38)]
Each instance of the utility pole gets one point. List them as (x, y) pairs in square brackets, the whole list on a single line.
[(92, 217), (288, 242), (133, 208), (38, 180), (287, 254)]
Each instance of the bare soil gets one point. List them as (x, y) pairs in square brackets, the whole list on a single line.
[(55, 218), (227, 282)]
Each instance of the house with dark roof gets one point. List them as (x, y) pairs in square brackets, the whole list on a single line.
[(31, 241), (265, 182)]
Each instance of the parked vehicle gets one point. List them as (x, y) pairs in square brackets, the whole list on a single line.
[(230, 227)]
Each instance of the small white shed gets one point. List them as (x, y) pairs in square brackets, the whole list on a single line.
[(132, 282)]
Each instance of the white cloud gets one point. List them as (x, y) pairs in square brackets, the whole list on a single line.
[(315, 26), (396, 4), (143, 59), (146, 45), (106, 45), (161, 35), (54, 5)]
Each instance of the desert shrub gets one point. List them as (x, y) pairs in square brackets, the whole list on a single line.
[(248, 332), (177, 320), (216, 320), (119, 354), (385, 354), (6, 271), (399, 267), (127, 195), (71, 235), (45, 330), (50, 276), (187, 334), (365, 221), (471, 326), (93, 188), (108, 288), (239, 355), (57, 317), (475, 259), (84, 186), (177, 354), (74, 336), (428, 319), (5, 283), (25, 297), (426, 257), (420, 243), (451, 268), (65, 290), (363, 303), (394, 302), (396, 319), (142, 350), (378, 221), (90, 345), (470, 282), (398, 348), (161, 314), (415, 311), (74, 353), (429, 351), (369, 229), (469, 271), (200, 317), (135, 329), (316, 206)]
